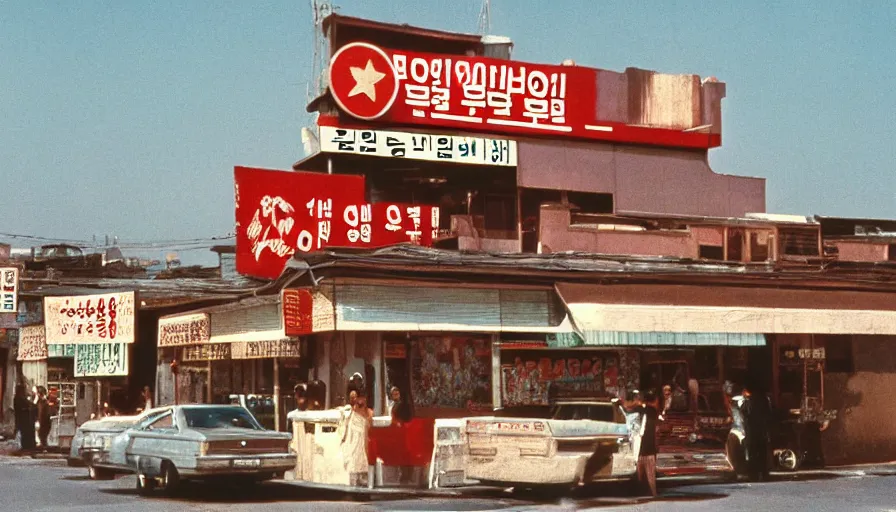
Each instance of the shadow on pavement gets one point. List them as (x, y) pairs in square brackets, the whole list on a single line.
[(227, 492)]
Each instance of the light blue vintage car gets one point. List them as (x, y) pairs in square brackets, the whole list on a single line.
[(196, 442)]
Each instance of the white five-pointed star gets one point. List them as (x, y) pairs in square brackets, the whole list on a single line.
[(365, 80)]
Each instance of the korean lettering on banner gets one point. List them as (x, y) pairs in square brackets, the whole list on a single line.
[(90, 318), (9, 287), (279, 213), (465, 91), (32, 343), (403, 223), (101, 359), (207, 352), (290, 348), (298, 312), (419, 146), (184, 330)]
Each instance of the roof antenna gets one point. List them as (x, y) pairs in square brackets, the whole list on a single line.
[(485, 18)]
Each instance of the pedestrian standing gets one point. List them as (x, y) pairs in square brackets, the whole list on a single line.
[(24, 418), (147, 398), (355, 428), (43, 416), (647, 455), (757, 412)]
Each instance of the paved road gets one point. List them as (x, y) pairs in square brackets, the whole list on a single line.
[(28, 484)]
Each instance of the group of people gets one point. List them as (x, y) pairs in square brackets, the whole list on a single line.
[(33, 412), (356, 419)]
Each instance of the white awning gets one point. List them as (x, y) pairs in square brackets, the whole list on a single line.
[(599, 317)]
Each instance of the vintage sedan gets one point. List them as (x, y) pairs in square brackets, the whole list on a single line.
[(90, 445), (197, 442), (534, 452)]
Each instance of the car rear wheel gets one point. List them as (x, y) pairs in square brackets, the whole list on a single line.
[(170, 478), (145, 485), (99, 473)]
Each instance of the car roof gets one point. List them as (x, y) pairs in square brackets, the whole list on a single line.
[(583, 402)]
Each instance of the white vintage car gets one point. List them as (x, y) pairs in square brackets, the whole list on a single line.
[(196, 442), (550, 452), (90, 445)]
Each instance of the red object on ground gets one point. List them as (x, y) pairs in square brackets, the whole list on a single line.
[(407, 444)]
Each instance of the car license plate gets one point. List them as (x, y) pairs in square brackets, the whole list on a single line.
[(246, 463)]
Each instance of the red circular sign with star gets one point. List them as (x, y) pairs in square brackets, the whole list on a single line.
[(363, 81)]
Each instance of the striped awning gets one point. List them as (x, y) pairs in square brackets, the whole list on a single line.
[(585, 338), (389, 307)]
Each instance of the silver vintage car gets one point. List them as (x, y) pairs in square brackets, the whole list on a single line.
[(91, 443), (196, 442)]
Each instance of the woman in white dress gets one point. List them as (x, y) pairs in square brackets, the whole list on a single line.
[(356, 421)]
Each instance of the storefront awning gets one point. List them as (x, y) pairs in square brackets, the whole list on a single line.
[(660, 339), (598, 320), (389, 307)]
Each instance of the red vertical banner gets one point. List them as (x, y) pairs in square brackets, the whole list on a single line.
[(298, 307)]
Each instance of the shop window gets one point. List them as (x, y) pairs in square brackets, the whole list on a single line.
[(500, 216), (799, 241), (735, 245), (587, 202), (838, 354), (712, 252), (759, 246), (451, 372), (530, 208)]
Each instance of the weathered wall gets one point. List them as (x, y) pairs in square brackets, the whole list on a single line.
[(645, 180), (860, 251), (865, 428), (557, 235)]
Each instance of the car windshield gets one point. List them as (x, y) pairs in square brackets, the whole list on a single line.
[(595, 412), (220, 417)]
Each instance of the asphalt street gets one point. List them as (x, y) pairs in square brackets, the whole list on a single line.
[(49, 485)]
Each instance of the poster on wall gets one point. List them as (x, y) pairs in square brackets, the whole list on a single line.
[(102, 318), (178, 331), (208, 352), (536, 377), (9, 288), (101, 359), (280, 214), (66, 351), (419, 146), (451, 372), (486, 94), (32, 343)]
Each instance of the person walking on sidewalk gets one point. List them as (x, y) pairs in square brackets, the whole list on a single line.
[(24, 419), (647, 455), (43, 417)]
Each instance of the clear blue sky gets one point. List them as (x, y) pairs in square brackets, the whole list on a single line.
[(127, 117)]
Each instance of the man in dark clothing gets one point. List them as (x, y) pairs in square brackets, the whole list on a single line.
[(757, 414), (24, 418), (43, 417), (647, 455)]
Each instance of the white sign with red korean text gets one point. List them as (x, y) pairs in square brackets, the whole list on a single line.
[(32, 343), (105, 318), (101, 359), (9, 288), (419, 146)]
